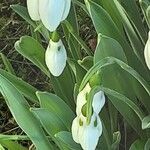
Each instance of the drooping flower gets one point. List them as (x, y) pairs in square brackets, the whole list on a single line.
[(88, 134), (56, 57), (50, 12), (147, 51)]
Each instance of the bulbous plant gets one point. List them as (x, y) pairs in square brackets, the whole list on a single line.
[(100, 98)]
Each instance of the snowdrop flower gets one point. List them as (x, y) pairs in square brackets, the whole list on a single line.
[(147, 52), (88, 134), (56, 57), (50, 12)]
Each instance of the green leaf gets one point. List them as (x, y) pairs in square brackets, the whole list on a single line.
[(32, 50), (104, 24), (64, 86), (10, 145), (108, 47), (86, 62), (55, 104), (26, 89), (138, 145), (51, 122), (7, 64), (20, 111), (136, 43), (135, 13), (109, 61), (66, 140), (23, 12), (129, 110)]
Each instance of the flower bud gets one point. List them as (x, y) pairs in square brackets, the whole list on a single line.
[(56, 57)]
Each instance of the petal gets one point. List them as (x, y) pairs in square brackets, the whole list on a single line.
[(81, 98), (75, 129), (147, 52), (33, 9), (66, 9), (56, 57), (98, 101), (51, 13), (91, 134)]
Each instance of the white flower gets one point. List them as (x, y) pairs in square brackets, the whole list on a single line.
[(50, 12), (147, 52), (33, 9), (56, 57), (88, 134)]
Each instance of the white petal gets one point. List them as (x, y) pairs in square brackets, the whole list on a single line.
[(66, 9), (81, 98), (147, 52), (56, 57), (75, 129), (90, 134), (98, 101), (33, 9), (51, 13)]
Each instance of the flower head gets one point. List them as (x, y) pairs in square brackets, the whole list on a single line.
[(83, 133), (50, 12), (56, 57)]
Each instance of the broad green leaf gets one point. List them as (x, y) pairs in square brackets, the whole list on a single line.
[(145, 9), (10, 145), (20, 111), (51, 122), (86, 62), (109, 61), (108, 47), (66, 140), (110, 7), (64, 86), (32, 50), (26, 89), (135, 13), (129, 110), (22, 11), (138, 145), (131, 33), (55, 104), (104, 24), (119, 80), (7, 64)]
